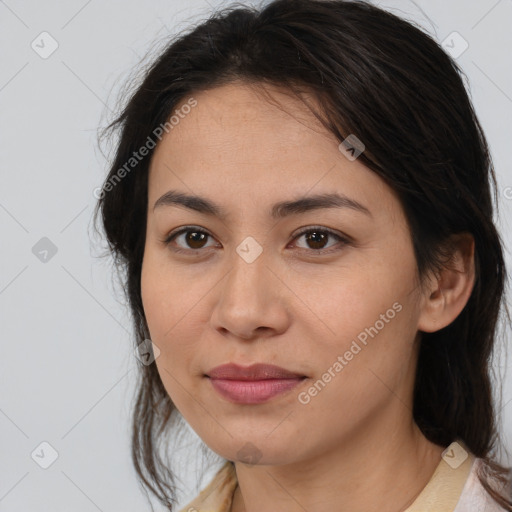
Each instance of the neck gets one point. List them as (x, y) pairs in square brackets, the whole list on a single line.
[(366, 473)]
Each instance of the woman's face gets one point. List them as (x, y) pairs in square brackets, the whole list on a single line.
[(246, 285)]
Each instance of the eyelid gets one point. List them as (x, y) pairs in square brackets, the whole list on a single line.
[(184, 229), (342, 238), (307, 229)]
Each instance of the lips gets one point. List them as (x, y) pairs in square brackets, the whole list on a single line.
[(254, 384), (256, 371)]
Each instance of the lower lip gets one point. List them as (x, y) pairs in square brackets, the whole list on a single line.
[(253, 391)]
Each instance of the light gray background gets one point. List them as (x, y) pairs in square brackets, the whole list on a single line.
[(67, 369)]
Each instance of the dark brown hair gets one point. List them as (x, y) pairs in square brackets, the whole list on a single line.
[(381, 78)]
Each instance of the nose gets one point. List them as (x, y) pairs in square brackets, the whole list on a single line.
[(251, 300)]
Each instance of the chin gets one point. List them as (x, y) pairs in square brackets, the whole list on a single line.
[(258, 450)]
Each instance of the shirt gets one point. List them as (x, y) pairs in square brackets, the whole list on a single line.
[(453, 487)]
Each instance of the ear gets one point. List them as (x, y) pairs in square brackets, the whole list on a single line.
[(446, 293)]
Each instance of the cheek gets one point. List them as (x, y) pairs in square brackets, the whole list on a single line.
[(367, 295), (172, 305), (360, 369), (169, 296), (169, 326), (363, 329)]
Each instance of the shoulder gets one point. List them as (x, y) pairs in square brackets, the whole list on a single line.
[(217, 496), (474, 497)]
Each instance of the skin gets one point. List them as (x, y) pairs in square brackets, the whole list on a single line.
[(354, 446)]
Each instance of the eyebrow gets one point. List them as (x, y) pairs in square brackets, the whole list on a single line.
[(278, 211)]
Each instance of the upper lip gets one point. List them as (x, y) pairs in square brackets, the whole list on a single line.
[(258, 371)]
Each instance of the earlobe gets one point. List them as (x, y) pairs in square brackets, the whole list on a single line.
[(448, 292)]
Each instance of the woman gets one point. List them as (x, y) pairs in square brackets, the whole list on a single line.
[(301, 203)]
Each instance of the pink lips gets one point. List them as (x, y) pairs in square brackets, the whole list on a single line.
[(254, 384)]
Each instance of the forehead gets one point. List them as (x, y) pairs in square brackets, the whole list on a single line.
[(245, 143), (243, 124), (254, 101)]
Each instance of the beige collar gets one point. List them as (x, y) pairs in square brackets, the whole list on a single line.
[(444, 488)]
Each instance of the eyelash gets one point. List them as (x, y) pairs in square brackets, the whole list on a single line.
[(309, 229)]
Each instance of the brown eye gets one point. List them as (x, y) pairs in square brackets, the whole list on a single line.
[(188, 238), (317, 238), (195, 239)]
